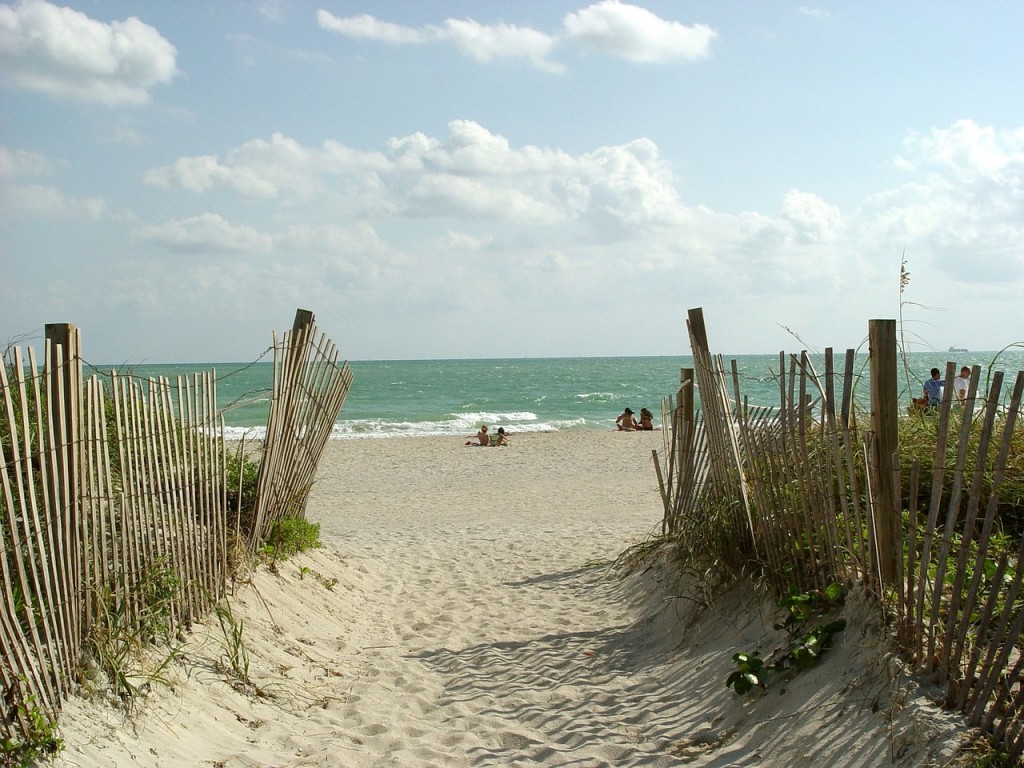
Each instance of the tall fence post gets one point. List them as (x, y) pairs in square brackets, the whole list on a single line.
[(884, 424), (64, 393), (684, 397), (679, 448), (63, 366), (303, 318)]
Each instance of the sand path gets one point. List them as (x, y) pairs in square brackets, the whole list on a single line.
[(463, 614), (499, 624)]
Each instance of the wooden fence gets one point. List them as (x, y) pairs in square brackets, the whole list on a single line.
[(309, 390), (812, 493), (114, 496)]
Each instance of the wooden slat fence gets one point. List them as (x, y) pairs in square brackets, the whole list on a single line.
[(114, 507), (962, 614), (40, 626), (805, 481), (309, 390)]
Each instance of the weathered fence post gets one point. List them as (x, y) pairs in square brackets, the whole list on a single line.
[(884, 416), (684, 397), (64, 393), (679, 448), (65, 389), (303, 318)]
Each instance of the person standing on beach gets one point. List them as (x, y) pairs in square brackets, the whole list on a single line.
[(626, 422), (960, 384)]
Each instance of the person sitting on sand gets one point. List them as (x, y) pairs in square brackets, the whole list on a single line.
[(933, 388), (501, 438), (961, 384), (646, 420), (482, 438), (626, 422), (931, 396)]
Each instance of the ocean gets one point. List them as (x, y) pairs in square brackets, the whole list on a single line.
[(409, 398)]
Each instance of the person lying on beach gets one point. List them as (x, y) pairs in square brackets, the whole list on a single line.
[(482, 438), (502, 437), (626, 422), (646, 420)]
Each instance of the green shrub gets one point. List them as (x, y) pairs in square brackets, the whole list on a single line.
[(39, 740), (131, 620), (242, 476), (289, 536)]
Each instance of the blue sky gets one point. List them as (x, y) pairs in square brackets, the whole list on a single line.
[(485, 179)]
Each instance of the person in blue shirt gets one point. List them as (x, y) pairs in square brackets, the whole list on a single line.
[(933, 388)]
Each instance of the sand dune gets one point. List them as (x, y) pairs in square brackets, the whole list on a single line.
[(463, 613)]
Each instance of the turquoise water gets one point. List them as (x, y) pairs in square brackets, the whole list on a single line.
[(453, 397)]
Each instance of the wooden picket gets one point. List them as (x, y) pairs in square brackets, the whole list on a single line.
[(106, 481), (824, 501)]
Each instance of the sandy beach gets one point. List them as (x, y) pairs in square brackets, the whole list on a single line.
[(463, 612)]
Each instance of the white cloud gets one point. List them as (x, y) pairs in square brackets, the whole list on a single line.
[(455, 196), (278, 168), (206, 234), (65, 54), (478, 173), (272, 10), (471, 171), (964, 204), (472, 203), (636, 34), (332, 240), (462, 241), (17, 163), (471, 149), (632, 184), (39, 201), (812, 218), (611, 27), (486, 42), (971, 151), (367, 27), (199, 174)]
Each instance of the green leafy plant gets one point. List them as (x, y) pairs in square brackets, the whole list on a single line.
[(805, 647), (328, 583), (39, 738), (802, 606), (751, 673), (305, 570), (806, 650)]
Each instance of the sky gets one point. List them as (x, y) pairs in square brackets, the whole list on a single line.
[(486, 179)]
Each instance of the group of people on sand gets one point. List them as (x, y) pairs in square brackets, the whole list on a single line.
[(628, 423), (483, 438), (931, 394)]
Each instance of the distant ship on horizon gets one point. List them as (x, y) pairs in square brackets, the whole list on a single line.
[(957, 349)]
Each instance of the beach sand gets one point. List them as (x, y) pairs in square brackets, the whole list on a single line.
[(463, 612)]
